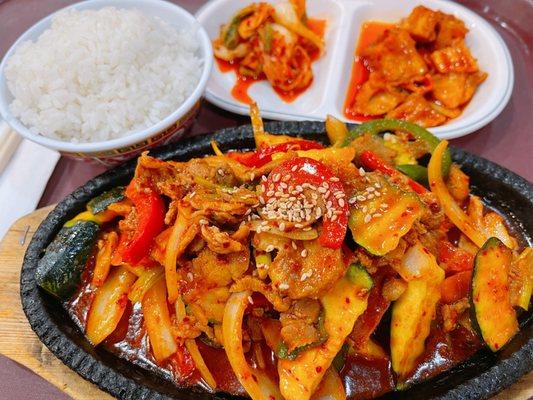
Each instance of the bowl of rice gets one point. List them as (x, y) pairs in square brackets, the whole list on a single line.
[(104, 80)]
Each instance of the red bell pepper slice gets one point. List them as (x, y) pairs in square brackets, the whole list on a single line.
[(454, 258), (456, 287), (150, 210), (263, 155), (374, 162), (307, 170)]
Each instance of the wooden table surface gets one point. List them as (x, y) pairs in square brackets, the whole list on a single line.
[(507, 140)]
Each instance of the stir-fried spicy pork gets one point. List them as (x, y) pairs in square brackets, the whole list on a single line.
[(295, 271)]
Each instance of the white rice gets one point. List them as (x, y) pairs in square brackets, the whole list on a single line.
[(101, 74)]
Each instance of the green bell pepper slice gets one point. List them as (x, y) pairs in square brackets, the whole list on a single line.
[(383, 125)]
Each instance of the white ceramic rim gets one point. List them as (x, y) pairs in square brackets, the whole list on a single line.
[(443, 131), (135, 136)]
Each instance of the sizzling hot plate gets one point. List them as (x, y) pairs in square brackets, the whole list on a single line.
[(480, 377)]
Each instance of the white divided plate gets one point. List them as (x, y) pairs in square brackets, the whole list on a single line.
[(332, 71)]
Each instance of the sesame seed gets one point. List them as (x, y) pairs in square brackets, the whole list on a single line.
[(377, 194), (264, 223), (286, 178), (304, 253), (270, 193), (341, 202), (377, 185), (370, 196), (220, 171), (368, 217), (283, 286), (276, 177), (270, 248), (322, 190), (307, 228), (377, 215), (325, 184), (250, 300), (334, 218), (361, 198), (352, 200), (389, 138), (334, 179), (293, 245), (264, 178), (294, 168), (262, 200), (370, 189), (365, 209), (298, 225), (326, 195), (203, 222), (282, 226), (306, 275), (252, 176), (190, 276), (283, 185), (362, 171)]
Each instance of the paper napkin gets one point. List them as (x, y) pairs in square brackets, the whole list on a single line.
[(23, 180)]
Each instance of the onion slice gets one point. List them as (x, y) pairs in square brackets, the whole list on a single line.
[(255, 382), (295, 234), (199, 362), (450, 207)]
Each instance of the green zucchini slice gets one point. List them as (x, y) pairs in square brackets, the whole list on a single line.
[(101, 202), (59, 270), (378, 223), (491, 311), (411, 319), (342, 305)]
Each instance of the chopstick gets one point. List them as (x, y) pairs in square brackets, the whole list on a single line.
[(8, 145)]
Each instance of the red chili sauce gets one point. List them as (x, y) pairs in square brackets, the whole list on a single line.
[(370, 32)]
